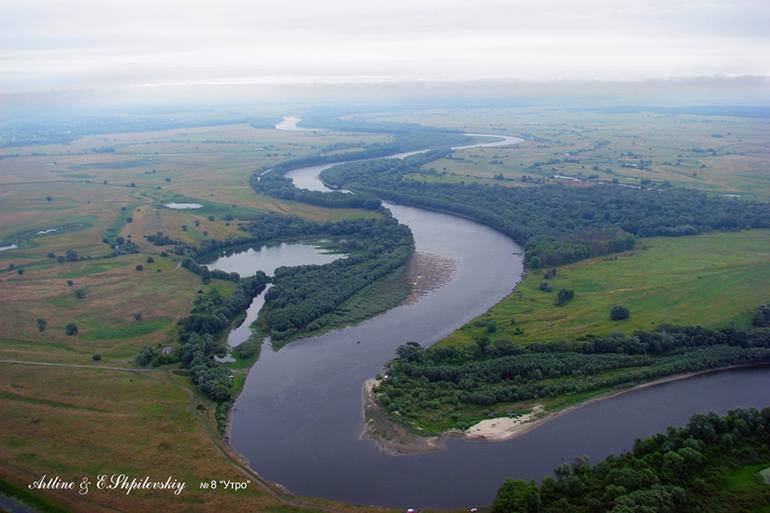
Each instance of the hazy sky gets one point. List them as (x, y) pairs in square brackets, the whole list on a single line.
[(95, 44)]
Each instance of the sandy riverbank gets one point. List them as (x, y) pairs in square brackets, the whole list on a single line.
[(397, 440), (504, 428)]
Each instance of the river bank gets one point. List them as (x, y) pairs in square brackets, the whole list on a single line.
[(398, 439)]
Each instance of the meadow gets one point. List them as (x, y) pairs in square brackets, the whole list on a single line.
[(710, 280), (80, 390), (57, 198), (86, 182), (76, 422), (715, 154)]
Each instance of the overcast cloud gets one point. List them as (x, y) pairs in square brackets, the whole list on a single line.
[(92, 44)]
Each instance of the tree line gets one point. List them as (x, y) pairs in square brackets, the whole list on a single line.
[(278, 186), (679, 471), (456, 382), (407, 137), (557, 224)]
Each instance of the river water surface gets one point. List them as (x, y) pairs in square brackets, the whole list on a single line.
[(299, 419)]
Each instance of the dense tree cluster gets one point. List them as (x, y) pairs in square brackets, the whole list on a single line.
[(301, 295), (211, 313), (145, 356), (121, 245), (457, 380), (564, 296), (207, 274), (619, 313), (681, 471), (556, 223), (211, 378), (199, 335), (160, 239)]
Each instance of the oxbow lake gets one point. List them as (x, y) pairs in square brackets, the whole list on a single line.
[(267, 258)]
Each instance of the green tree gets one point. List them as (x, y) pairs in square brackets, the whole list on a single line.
[(619, 313), (483, 344), (517, 497), (145, 356), (71, 329), (761, 316), (564, 296), (41, 324)]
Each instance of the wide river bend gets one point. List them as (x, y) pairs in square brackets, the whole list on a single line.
[(299, 418)]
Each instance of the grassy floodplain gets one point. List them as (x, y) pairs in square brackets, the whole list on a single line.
[(720, 154), (102, 415), (87, 194), (114, 292), (54, 199), (710, 280), (713, 280)]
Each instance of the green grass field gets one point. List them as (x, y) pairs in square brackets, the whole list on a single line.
[(710, 280), (105, 420), (81, 188), (716, 154), (743, 478)]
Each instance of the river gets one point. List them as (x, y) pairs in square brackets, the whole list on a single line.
[(298, 420)]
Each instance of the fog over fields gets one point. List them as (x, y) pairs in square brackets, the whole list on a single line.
[(153, 51)]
